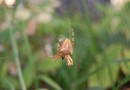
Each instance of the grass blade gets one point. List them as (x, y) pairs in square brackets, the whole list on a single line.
[(50, 82)]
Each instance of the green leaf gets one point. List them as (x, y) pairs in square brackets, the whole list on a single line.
[(95, 88), (50, 82), (29, 75), (126, 65), (47, 65), (102, 77), (29, 72), (6, 84), (42, 89), (122, 82), (106, 76)]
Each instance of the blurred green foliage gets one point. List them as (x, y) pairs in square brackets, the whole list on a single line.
[(101, 51)]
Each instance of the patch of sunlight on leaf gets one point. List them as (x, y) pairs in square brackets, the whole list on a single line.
[(126, 65), (114, 52), (102, 77), (48, 64), (50, 82)]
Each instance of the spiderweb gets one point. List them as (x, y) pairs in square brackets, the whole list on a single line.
[(101, 39), (101, 48)]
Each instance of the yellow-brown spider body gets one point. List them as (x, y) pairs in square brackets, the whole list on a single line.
[(65, 49)]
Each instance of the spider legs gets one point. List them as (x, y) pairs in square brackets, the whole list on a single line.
[(58, 46), (56, 57), (72, 37), (69, 60)]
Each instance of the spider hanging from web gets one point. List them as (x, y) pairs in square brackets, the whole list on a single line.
[(65, 49)]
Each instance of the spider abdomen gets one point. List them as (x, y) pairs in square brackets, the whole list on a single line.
[(66, 47)]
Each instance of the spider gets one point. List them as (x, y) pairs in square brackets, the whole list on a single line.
[(65, 49)]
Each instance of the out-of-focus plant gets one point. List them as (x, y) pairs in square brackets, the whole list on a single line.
[(101, 49)]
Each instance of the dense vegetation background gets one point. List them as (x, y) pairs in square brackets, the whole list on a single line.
[(29, 33)]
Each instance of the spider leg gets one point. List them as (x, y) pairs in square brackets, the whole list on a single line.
[(69, 60), (72, 37), (58, 47), (56, 57)]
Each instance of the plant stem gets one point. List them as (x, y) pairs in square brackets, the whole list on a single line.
[(15, 52)]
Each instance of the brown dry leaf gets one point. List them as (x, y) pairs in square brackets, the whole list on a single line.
[(31, 27), (13, 69)]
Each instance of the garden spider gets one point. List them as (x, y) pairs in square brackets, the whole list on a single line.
[(65, 49)]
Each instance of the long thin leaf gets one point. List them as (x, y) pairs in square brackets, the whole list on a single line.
[(50, 82)]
